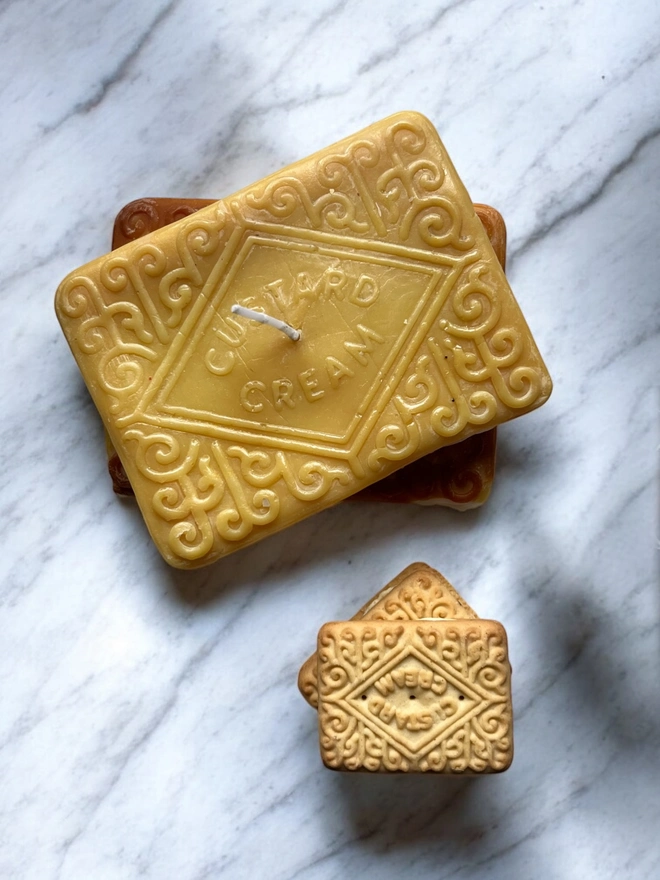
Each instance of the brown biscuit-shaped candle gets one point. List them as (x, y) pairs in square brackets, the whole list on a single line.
[(142, 216), (430, 696), (418, 591), (458, 476)]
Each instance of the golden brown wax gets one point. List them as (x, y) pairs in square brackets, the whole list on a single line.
[(459, 476), (411, 339)]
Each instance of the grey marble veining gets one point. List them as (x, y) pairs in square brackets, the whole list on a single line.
[(147, 725)]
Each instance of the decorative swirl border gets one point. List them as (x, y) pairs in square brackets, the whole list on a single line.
[(390, 186), (408, 197), (119, 315), (473, 348), (200, 490), (425, 597), (138, 218), (482, 743), (104, 332)]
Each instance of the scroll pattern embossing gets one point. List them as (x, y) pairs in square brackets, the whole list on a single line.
[(120, 275), (408, 196), (143, 216), (197, 483), (201, 491), (194, 487), (419, 181), (312, 481), (481, 349), (237, 521), (352, 165), (477, 408), (474, 348), (116, 332), (138, 218), (366, 673), (426, 596), (197, 239), (120, 321), (285, 195), (460, 475), (395, 442), (145, 318)]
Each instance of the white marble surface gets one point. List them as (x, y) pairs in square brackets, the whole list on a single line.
[(129, 692)]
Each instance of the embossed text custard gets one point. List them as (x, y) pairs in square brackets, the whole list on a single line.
[(410, 339), (458, 476)]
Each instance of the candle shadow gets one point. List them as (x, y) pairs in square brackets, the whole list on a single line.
[(590, 671), (463, 819), (406, 809), (338, 534), (592, 663), (517, 456)]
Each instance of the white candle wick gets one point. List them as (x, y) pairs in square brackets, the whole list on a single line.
[(294, 335)]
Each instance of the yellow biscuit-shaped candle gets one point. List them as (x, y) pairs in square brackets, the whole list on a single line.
[(410, 339), (418, 591), (458, 476), (430, 696)]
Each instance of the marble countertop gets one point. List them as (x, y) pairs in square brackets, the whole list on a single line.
[(147, 726)]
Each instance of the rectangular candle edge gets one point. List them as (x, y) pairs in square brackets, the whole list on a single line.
[(430, 230)]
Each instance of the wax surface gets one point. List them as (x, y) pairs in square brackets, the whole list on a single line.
[(458, 476), (411, 339), (415, 696), (418, 591)]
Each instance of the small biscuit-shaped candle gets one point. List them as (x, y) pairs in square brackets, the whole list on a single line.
[(418, 591), (428, 696)]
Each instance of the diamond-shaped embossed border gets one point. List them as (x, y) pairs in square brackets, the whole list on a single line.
[(418, 591), (441, 272), (388, 664), (128, 316), (471, 655)]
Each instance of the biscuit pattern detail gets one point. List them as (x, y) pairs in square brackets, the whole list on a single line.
[(415, 696), (375, 238), (425, 595), (422, 592)]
